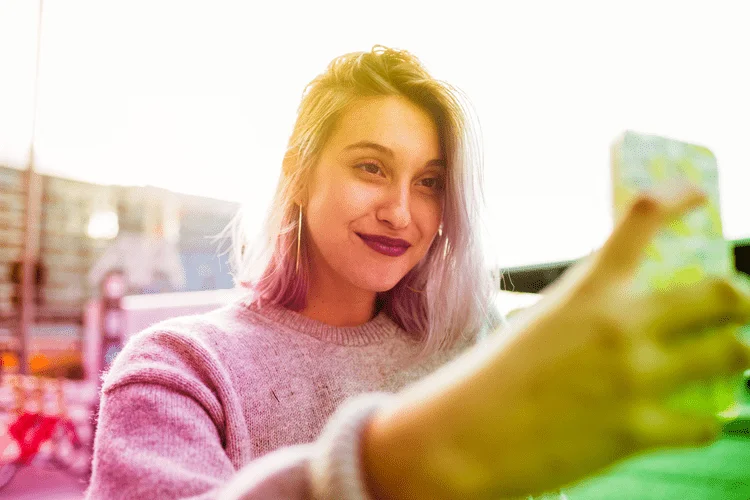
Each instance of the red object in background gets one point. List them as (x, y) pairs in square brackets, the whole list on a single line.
[(30, 430), (38, 434), (70, 430), (25, 422)]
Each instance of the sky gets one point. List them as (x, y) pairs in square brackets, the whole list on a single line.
[(200, 97)]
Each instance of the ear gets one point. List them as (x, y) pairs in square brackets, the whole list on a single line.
[(301, 198)]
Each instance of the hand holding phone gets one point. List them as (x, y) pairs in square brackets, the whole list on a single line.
[(689, 249)]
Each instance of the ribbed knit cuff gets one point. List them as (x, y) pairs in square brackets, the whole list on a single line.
[(336, 467)]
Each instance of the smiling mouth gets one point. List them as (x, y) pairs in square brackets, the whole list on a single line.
[(385, 246)]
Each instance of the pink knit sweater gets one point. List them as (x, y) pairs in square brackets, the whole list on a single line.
[(247, 403)]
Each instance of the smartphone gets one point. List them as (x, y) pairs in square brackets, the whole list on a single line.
[(687, 250)]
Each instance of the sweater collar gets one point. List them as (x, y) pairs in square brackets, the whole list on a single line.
[(379, 328)]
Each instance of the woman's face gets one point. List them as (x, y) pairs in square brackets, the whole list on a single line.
[(376, 196)]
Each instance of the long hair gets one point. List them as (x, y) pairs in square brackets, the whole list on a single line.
[(447, 294)]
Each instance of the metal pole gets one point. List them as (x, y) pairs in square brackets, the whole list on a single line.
[(32, 229)]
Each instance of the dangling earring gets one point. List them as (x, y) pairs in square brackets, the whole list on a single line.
[(440, 229), (299, 239)]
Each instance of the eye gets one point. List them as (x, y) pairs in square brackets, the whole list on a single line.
[(369, 167), (434, 183)]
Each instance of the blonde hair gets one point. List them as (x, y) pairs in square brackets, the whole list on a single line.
[(446, 295)]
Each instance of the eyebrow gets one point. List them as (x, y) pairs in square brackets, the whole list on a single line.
[(387, 151)]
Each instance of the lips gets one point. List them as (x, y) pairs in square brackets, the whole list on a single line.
[(392, 247), (391, 242)]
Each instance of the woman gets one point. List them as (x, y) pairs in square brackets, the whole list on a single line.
[(348, 371)]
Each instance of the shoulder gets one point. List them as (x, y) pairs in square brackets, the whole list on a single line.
[(176, 350), (493, 321)]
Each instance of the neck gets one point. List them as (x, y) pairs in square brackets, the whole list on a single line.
[(338, 304)]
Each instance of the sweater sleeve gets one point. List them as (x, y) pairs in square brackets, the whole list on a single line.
[(157, 442)]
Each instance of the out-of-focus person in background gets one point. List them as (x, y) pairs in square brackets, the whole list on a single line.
[(365, 361)]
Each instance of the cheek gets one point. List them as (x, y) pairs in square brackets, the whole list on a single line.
[(430, 214), (345, 201), (357, 199), (334, 206)]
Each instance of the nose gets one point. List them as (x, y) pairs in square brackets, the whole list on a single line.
[(395, 209)]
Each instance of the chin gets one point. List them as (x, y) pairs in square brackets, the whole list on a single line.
[(385, 288), (379, 284)]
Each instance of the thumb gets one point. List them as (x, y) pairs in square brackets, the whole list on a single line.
[(648, 213), (654, 426)]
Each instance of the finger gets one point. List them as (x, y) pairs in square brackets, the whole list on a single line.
[(650, 425), (680, 312), (718, 354), (661, 371), (624, 249)]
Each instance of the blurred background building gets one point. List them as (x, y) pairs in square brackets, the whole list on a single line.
[(162, 242)]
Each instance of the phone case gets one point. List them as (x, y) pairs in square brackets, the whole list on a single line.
[(687, 250)]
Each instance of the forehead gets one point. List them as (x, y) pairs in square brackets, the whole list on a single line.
[(391, 121)]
